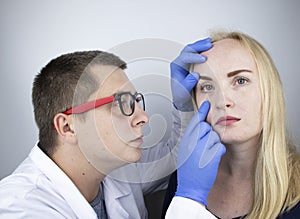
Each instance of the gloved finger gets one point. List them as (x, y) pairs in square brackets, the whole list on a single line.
[(213, 138), (198, 46), (185, 59), (214, 153), (196, 128), (190, 81), (203, 111), (204, 129), (184, 87), (178, 73)]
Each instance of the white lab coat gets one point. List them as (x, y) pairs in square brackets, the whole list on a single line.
[(126, 200), (186, 208), (41, 188), (38, 188)]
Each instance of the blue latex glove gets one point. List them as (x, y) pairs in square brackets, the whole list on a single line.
[(182, 81), (199, 155)]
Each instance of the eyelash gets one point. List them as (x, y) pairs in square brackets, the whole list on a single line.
[(236, 79), (138, 99), (204, 86)]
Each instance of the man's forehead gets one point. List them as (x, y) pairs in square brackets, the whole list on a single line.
[(112, 80), (102, 72)]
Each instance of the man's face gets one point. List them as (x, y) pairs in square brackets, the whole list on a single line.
[(229, 80), (107, 138)]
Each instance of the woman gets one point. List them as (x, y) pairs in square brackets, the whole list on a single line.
[(258, 177)]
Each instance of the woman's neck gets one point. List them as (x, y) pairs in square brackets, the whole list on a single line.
[(240, 159), (232, 193)]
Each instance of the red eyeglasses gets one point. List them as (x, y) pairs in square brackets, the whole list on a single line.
[(126, 102)]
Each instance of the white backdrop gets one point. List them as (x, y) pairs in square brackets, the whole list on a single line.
[(33, 32)]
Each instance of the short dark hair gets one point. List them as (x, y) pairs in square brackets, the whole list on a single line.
[(54, 87)]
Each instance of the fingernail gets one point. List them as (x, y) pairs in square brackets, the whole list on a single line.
[(202, 58), (206, 102), (196, 75)]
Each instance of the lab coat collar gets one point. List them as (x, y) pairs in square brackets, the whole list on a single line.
[(121, 179), (62, 183), (113, 194), (116, 189)]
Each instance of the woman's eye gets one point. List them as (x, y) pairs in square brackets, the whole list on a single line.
[(241, 81), (206, 88)]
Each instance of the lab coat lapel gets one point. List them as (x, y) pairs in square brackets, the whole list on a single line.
[(62, 184), (113, 193)]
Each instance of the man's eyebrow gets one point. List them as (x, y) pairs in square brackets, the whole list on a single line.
[(233, 73), (126, 90)]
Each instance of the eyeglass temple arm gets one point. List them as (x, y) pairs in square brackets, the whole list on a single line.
[(89, 105)]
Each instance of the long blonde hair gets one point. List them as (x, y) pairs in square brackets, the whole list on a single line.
[(277, 172)]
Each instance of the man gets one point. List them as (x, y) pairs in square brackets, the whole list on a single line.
[(90, 121)]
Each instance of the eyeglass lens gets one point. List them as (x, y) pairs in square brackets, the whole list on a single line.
[(127, 102)]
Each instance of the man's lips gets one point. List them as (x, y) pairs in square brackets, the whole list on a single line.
[(227, 120), (139, 139)]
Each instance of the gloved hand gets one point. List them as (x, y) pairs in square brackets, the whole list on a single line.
[(199, 155), (182, 81)]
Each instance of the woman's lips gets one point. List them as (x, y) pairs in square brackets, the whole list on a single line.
[(227, 120)]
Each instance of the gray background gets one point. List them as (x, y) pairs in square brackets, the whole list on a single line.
[(33, 32)]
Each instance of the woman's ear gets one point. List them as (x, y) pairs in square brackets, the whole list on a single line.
[(63, 125)]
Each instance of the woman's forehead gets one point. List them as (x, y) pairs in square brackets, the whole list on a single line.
[(225, 56), (224, 48)]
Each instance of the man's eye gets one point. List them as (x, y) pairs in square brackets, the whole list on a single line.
[(138, 99), (116, 104), (124, 102)]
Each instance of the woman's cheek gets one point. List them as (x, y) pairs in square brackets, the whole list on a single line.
[(199, 102), (209, 117)]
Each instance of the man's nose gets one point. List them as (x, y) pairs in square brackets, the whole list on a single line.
[(140, 117)]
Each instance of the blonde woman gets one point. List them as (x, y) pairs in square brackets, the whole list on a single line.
[(259, 175)]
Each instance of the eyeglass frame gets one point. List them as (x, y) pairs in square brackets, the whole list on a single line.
[(82, 108)]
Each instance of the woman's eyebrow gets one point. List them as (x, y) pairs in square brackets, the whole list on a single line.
[(233, 73), (230, 74), (205, 78)]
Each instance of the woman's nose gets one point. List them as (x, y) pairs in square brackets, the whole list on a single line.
[(223, 100)]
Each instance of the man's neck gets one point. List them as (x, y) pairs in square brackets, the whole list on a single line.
[(74, 164)]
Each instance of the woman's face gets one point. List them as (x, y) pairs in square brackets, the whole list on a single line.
[(229, 81)]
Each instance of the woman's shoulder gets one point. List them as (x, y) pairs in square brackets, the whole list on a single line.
[(293, 213)]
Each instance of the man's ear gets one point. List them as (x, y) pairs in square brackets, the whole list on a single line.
[(64, 128)]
